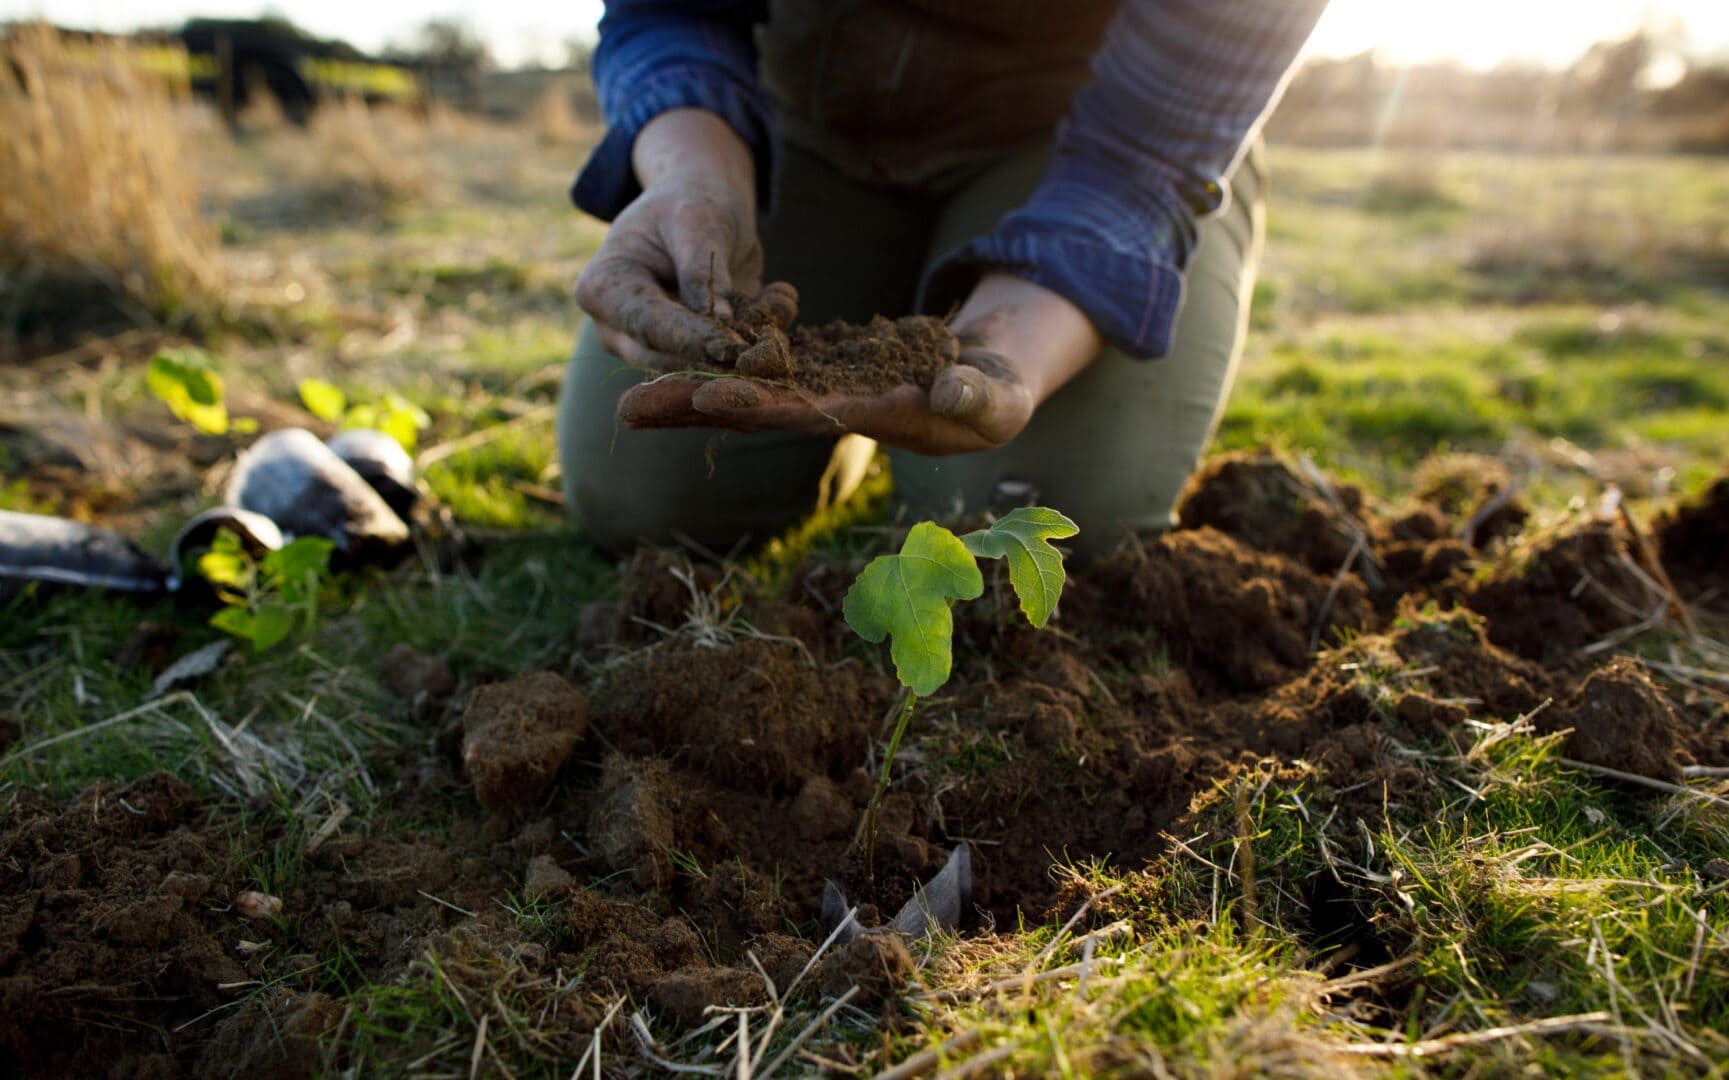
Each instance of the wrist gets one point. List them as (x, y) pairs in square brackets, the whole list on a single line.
[(693, 142), (1046, 336)]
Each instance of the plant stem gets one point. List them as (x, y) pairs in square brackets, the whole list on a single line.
[(870, 819)]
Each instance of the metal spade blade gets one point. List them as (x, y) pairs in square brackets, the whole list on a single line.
[(36, 547)]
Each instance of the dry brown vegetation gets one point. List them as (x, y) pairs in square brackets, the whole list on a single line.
[(99, 206)]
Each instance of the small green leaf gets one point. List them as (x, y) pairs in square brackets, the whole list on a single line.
[(323, 399), (908, 596), (186, 381), (271, 624), (1035, 567), (237, 621), (307, 555), (226, 563), (402, 420)]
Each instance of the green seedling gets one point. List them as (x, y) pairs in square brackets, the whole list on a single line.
[(909, 597), (266, 599), (394, 414), (186, 380)]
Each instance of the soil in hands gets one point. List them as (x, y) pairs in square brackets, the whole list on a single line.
[(835, 357), (672, 802)]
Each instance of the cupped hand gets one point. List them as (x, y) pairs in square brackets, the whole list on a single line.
[(979, 403), (1018, 342), (658, 286)]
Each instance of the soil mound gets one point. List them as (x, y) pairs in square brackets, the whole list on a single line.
[(758, 712), (1258, 498), (108, 931), (1694, 544), (1246, 619), (834, 357), (1563, 590), (1620, 719)]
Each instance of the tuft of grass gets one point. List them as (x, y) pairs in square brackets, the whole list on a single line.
[(101, 210)]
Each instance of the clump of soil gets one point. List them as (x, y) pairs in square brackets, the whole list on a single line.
[(759, 712), (273, 1038), (1620, 719), (630, 825), (1694, 543), (1563, 590), (1475, 492), (410, 674), (1258, 498), (835, 357), (516, 736)]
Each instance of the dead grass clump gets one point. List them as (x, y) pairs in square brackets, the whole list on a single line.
[(553, 118), (100, 208), (367, 160)]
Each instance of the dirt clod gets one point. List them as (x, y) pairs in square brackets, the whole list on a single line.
[(411, 673), (1622, 720), (1694, 541), (630, 826), (876, 963), (1563, 590), (11, 732), (517, 734), (545, 878), (273, 1039)]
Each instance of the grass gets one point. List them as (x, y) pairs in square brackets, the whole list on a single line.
[(1526, 916)]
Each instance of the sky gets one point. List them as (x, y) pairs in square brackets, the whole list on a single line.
[(1480, 33)]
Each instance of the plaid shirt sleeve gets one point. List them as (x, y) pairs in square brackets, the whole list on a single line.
[(1179, 88), (656, 55)]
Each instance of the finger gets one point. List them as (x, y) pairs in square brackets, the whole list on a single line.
[(962, 393), (749, 405), (635, 353), (662, 403), (703, 256), (621, 293)]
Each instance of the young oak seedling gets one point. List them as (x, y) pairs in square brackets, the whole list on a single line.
[(909, 597)]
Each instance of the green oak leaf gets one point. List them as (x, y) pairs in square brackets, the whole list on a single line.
[(187, 382), (323, 399), (1035, 567), (908, 596)]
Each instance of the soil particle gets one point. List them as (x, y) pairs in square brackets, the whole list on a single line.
[(1694, 544), (411, 673), (656, 593), (517, 734), (835, 357), (632, 947), (1242, 616), (877, 963), (822, 811), (754, 713), (1622, 720), (271, 1039), (630, 826), (1561, 591)]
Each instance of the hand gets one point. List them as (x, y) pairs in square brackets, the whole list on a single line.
[(1018, 342), (663, 273)]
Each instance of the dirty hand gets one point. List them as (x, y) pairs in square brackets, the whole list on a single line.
[(1018, 342), (662, 275)]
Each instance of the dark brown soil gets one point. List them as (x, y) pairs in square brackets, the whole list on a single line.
[(680, 814), (1694, 542), (10, 731), (835, 357), (516, 736)]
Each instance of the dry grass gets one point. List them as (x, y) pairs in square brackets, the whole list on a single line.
[(554, 120), (367, 160), (99, 204)]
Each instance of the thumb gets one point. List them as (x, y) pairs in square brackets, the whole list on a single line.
[(961, 393)]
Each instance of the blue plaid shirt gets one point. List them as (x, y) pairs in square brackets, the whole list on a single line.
[(1179, 88)]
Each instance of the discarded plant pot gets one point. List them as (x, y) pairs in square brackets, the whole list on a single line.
[(301, 484), (37, 547), (381, 462)]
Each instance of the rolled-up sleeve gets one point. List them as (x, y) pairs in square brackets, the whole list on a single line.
[(656, 55), (1179, 89)]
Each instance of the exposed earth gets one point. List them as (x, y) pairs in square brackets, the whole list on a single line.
[(679, 812)]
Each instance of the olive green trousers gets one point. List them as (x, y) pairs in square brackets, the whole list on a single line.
[(1112, 449)]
